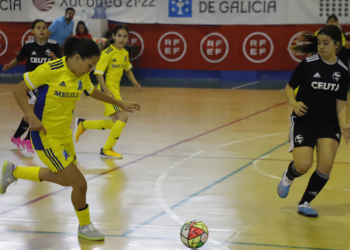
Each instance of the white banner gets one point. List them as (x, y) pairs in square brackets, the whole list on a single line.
[(129, 11), (317, 11), (209, 12), (222, 12)]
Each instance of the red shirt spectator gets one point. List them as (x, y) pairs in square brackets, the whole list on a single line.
[(82, 31), (83, 35)]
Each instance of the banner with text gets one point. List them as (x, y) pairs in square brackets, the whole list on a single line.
[(209, 12), (193, 47)]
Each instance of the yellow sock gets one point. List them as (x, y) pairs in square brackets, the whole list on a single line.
[(27, 173), (84, 216), (99, 124), (116, 130)]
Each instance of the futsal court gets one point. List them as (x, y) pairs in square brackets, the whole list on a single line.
[(214, 155)]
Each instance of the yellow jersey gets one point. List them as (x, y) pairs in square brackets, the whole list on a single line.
[(58, 90), (113, 61)]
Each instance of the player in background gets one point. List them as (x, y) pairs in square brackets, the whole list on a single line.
[(344, 53), (61, 83), (37, 52), (319, 112), (114, 60)]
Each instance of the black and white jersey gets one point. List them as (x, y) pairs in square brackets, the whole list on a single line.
[(320, 84), (37, 54)]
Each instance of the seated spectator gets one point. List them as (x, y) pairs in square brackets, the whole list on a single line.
[(82, 31)]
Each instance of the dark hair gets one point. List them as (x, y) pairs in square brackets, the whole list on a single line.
[(86, 31), (310, 42), (32, 26), (115, 31), (69, 8), (85, 47), (333, 16)]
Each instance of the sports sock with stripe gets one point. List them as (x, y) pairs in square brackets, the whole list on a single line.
[(27, 173), (292, 173), (316, 184), (28, 135), (116, 130), (83, 216), (23, 126), (98, 124)]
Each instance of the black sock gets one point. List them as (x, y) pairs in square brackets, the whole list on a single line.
[(23, 126), (292, 173), (316, 183), (28, 135)]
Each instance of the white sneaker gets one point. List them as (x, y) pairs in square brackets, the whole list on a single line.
[(284, 185), (306, 210), (90, 232), (7, 176)]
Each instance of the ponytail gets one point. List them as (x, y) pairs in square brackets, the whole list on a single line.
[(108, 43), (309, 45), (85, 47), (310, 42)]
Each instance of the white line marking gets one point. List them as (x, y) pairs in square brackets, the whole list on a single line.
[(174, 216), (247, 84), (255, 165), (6, 93), (262, 172), (171, 213)]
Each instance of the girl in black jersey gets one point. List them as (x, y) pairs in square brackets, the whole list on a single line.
[(319, 112), (37, 52)]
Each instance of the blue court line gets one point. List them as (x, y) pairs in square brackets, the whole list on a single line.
[(172, 239), (199, 192)]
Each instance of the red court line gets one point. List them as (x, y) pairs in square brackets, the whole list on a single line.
[(142, 158)]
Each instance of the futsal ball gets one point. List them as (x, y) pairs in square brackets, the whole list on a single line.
[(96, 40), (194, 234), (103, 41)]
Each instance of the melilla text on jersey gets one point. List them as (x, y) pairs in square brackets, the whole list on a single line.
[(325, 86), (118, 65), (67, 94), (39, 60)]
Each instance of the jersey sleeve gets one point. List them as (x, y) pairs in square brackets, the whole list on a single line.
[(22, 55), (298, 75), (342, 93), (102, 63), (87, 85), (38, 77), (127, 65)]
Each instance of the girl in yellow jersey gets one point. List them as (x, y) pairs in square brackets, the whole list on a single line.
[(60, 83), (114, 60)]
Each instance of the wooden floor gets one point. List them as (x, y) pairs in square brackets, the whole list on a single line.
[(214, 155)]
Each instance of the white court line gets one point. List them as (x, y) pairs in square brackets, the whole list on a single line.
[(255, 165), (262, 172), (247, 84), (171, 213), (174, 216), (6, 93)]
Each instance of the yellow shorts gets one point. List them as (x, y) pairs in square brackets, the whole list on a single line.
[(110, 109), (58, 157)]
